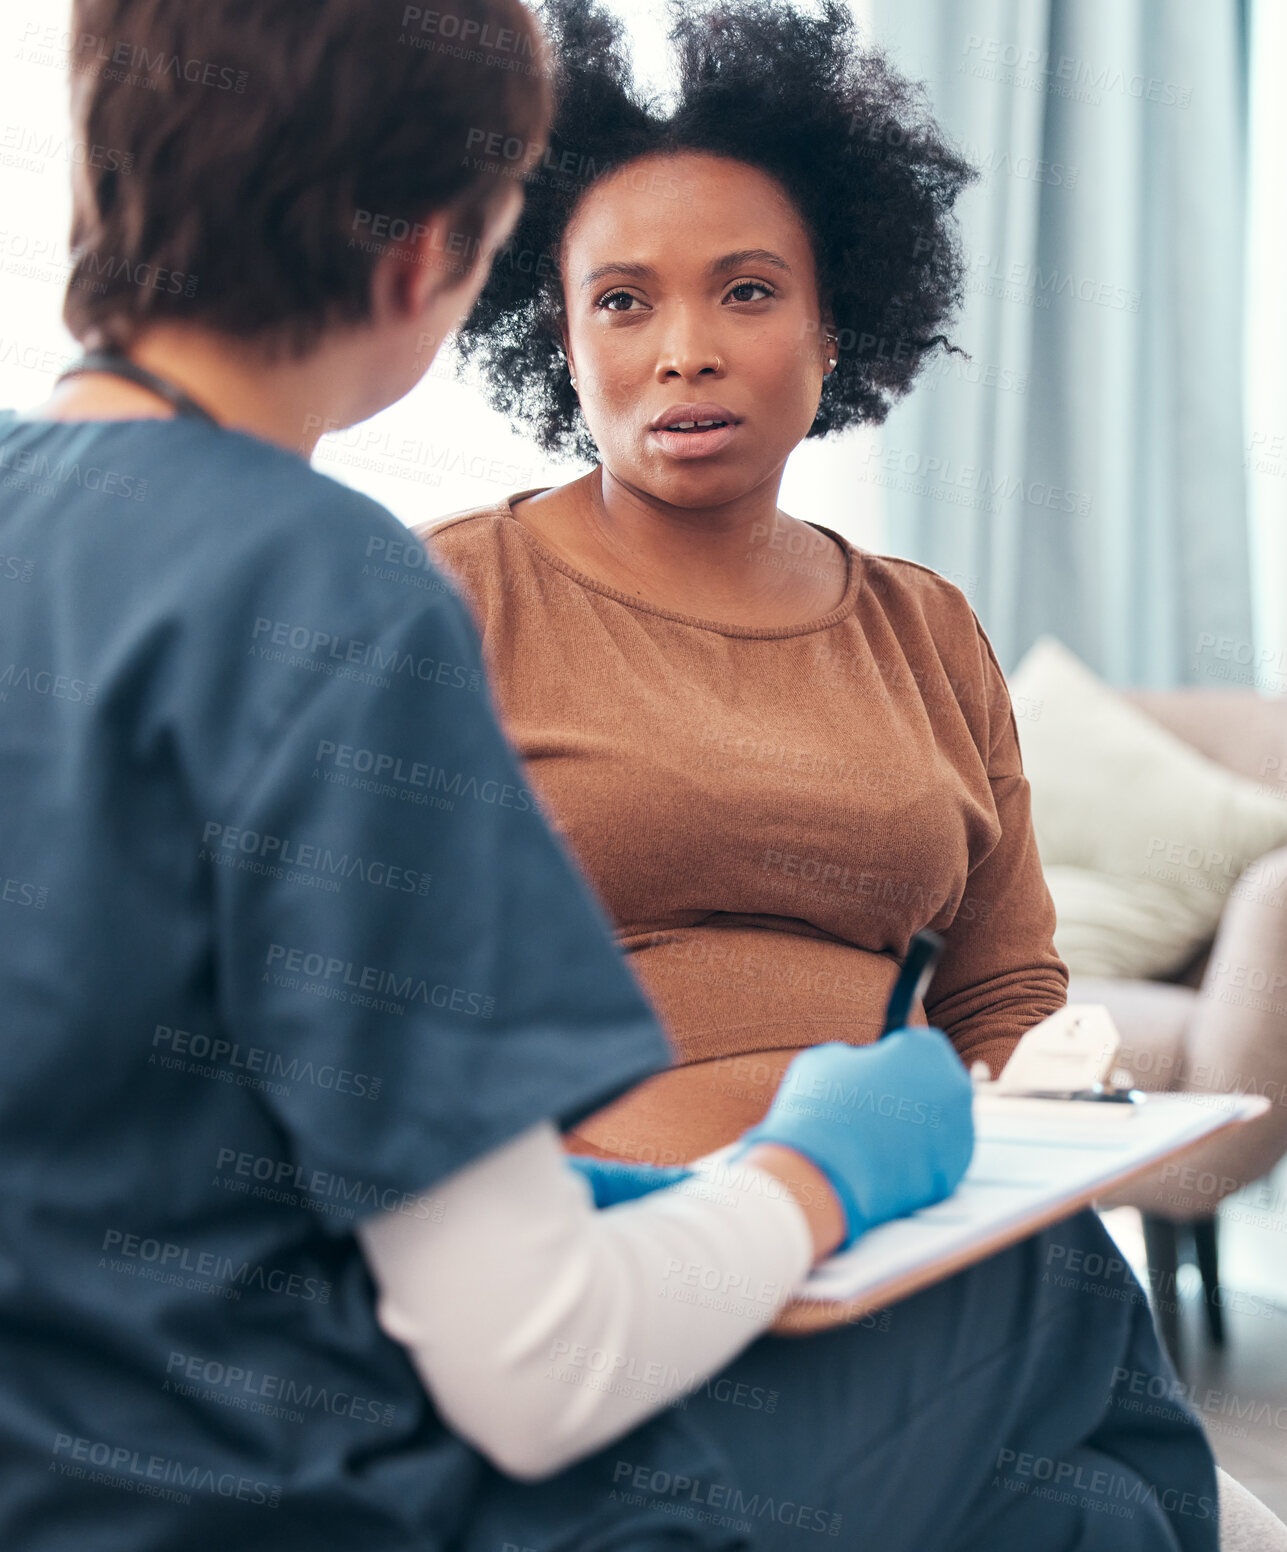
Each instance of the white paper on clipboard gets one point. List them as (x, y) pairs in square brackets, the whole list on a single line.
[(1022, 1167)]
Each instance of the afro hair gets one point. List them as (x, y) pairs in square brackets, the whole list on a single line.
[(851, 142)]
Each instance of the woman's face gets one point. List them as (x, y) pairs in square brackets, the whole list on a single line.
[(689, 278)]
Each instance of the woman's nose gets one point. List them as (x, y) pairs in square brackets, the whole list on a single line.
[(687, 344), (689, 362)]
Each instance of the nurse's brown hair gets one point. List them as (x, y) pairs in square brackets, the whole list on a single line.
[(259, 156)]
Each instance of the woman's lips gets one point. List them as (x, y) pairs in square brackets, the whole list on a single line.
[(695, 444)]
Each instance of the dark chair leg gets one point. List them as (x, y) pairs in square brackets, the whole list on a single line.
[(1161, 1241), (1204, 1241)]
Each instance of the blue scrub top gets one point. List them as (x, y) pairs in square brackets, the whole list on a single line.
[(284, 939)]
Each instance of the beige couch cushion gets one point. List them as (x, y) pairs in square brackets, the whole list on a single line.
[(1141, 837)]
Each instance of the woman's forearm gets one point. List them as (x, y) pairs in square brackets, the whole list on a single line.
[(544, 1329)]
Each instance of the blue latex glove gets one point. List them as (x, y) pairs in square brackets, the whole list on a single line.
[(613, 1180), (890, 1124)]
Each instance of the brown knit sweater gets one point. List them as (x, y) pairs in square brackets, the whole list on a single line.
[(768, 814)]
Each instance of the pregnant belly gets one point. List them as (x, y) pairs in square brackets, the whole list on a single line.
[(738, 1004)]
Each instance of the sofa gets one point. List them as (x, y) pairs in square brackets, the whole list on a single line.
[(1220, 1024)]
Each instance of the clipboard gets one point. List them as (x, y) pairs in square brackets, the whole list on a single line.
[(1028, 1171), (1034, 1163)]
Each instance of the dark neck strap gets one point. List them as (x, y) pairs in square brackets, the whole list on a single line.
[(118, 365)]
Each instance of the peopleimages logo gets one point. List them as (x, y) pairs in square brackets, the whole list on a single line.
[(26, 468), (317, 1190), (307, 861), (692, 1498), (387, 983), (120, 1466), (251, 1066), (123, 1251), (330, 649), (248, 1389), (43, 681), (386, 774)]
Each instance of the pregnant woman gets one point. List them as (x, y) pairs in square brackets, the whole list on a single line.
[(776, 755)]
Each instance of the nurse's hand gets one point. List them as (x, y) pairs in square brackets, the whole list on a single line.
[(614, 1180), (890, 1125)]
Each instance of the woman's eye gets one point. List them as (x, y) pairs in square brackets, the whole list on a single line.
[(609, 298), (750, 285)]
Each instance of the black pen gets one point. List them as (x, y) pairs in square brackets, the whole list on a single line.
[(1096, 1094), (913, 979)]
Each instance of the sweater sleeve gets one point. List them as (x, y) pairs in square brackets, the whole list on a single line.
[(1000, 974), (544, 1329)]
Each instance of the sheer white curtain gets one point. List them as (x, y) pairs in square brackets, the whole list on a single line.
[(1094, 479), (1266, 405)]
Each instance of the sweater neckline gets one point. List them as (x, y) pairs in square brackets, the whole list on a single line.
[(853, 583)]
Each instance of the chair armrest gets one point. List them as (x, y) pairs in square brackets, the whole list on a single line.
[(1237, 1035)]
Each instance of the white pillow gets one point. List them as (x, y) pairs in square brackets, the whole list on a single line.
[(1141, 837)]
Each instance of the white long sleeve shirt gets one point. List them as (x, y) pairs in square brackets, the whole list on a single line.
[(544, 1328)]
